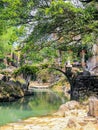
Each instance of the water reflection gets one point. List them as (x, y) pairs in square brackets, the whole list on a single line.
[(41, 103)]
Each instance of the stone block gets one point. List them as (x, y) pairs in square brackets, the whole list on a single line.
[(93, 106)]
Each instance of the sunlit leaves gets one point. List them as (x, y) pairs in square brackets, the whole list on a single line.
[(51, 22), (88, 39)]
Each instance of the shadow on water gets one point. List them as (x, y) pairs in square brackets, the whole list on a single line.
[(41, 103)]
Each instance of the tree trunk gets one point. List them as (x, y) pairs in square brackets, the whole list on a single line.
[(27, 79)]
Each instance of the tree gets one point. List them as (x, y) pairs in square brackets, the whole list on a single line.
[(46, 18), (54, 23), (27, 72), (64, 27)]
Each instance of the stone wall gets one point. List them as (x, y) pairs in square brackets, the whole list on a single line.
[(85, 86)]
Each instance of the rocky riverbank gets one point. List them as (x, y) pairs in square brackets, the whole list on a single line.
[(11, 89), (75, 117)]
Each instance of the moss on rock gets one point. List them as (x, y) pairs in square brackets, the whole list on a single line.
[(10, 90)]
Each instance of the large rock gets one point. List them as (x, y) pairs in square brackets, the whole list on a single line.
[(63, 107), (10, 91), (93, 106), (71, 105), (13, 89)]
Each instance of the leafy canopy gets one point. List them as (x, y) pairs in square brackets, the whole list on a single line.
[(56, 24)]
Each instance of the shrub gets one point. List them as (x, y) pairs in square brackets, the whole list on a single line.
[(2, 66), (26, 70)]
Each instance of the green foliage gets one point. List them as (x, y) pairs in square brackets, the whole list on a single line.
[(2, 66), (26, 70), (17, 11), (88, 39), (43, 75), (65, 21), (59, 7), (8, 38), (55, 25), (47, 53)]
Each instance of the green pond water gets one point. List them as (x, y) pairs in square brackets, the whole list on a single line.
[(39, 104)]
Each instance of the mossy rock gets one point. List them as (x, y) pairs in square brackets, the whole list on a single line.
[(9, 90)]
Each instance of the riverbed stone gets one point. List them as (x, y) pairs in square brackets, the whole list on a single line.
[(69, 128), (71, 123), (89, 126), (90, 119), (51, 123)]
